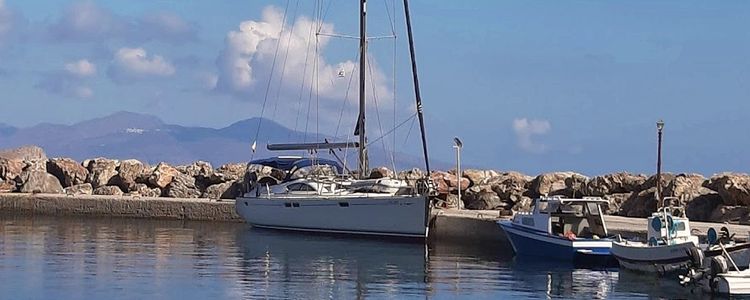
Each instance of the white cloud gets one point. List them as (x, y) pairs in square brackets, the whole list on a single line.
[(6, 19), (166, 26), (246, 61), (131, 64), (86, 21), (89, 22), (525, 129), (81, 68), (64, 84), (83, 92)]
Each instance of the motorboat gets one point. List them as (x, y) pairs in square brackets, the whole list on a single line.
[(669, 242), (559, 228), (721, 275)]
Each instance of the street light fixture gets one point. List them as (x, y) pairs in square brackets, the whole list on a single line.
[(458, 145), (659, 128)]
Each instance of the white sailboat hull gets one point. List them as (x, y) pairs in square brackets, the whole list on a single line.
[(397, 216)]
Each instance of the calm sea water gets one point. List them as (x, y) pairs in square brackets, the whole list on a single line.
[(85, 258)]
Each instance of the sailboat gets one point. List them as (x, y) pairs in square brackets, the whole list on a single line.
[(341, 203)]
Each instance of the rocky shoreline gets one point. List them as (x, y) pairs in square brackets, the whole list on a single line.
[(720, 198)]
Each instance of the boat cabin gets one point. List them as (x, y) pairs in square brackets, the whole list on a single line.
[(669, 226), (565, 217)]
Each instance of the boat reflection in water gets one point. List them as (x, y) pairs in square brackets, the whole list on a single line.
[(297, 265), (632, 282), (563, 279)]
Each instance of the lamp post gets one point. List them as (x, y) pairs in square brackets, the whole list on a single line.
[(659, 128), (458, 145)]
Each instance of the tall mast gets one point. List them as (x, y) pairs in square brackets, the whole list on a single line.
[(363, 168), (416, 87)]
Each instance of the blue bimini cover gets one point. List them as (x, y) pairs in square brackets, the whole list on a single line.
[(291, 163)]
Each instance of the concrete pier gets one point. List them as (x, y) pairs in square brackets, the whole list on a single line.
[(119, 206), (461, 226), (479, 225)]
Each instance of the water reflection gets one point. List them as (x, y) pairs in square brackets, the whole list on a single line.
[(299, 265), (85, 258)]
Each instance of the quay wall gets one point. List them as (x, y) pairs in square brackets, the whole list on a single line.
[(119, 206), (447, 225)]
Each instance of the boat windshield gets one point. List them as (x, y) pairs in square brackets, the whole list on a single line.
[(580, 218)]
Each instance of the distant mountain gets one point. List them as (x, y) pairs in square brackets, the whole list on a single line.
[(124, 135), (6, 130)]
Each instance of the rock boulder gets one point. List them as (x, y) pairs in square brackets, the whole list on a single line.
[(108, 190), (568, 184), (101, 171), (127, 174), (7, 186), (702, 207), (226, 190), (477, 177), (10, 169), (24, 153), (79, 189), (733, 188), (163, 175), (616, 183), (143, 190), (381, 172), (35, 181), (229, 172), (182, 186), (67, 171), (447, 183)]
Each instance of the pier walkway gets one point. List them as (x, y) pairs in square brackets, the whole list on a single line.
[(462, 226)]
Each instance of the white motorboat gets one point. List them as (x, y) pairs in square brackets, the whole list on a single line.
[(562, 229), (351, 203), (669, 243), (721, 275)]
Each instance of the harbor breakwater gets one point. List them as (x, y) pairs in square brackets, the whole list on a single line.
[(720, 198)]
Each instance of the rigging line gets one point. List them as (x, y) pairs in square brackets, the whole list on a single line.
[(286, 56), (325, 14), (270, 78), (317, 79), (375, 99), (346, 97), (410, 118), (317, 93), (390, 19), (395, 52), (304, 77), (314, 74), (408, 133)]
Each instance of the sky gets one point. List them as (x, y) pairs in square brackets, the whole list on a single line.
[(532, 86)]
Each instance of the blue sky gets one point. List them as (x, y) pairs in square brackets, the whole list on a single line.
[(533, 86)]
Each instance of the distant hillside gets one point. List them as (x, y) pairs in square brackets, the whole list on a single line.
[(6, 130), (125, 135)]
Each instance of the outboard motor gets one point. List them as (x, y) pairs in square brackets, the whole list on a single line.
[(696, 271), (718, 265), (696, 257)]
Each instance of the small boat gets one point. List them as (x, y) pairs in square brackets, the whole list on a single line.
[(716, 277), (561, 229), (669, 242)]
